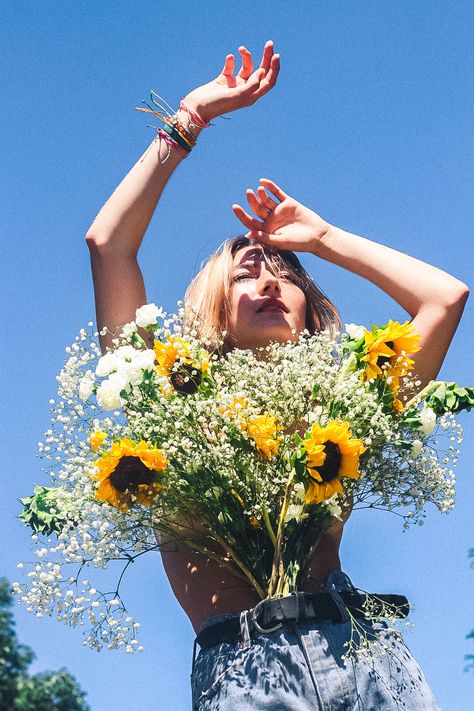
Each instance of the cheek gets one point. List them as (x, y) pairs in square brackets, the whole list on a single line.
[(298, 307)]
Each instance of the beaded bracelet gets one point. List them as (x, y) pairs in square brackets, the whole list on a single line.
[(176, 136), (173, 131), (182, 130)]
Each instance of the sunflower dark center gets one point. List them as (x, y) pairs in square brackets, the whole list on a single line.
[(129, 473), (186, 380), (381, 360), (330, 469)]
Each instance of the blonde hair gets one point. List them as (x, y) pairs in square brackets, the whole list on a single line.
[(207, 296)]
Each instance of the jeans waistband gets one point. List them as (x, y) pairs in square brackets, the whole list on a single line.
[(337, 580)]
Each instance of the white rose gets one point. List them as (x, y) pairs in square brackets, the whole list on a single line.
[(144, 359), (147, 315), (416, 447), (108, 392), (298, 492), (107, 364), (86, 387), (333, 507), (295, 510), (125, 354), (132, 367), (356, 332), (128, 329), (428, 419)]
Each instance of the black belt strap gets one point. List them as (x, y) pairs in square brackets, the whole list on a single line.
[(306, 606)]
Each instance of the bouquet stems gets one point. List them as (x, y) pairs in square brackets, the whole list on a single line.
[(230, 551), (277, 576), (432, 385), (268, 524)]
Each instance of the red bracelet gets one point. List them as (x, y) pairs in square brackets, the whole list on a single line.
[(194, 116)]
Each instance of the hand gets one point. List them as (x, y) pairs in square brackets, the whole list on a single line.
[(285, 223), (228, 92)]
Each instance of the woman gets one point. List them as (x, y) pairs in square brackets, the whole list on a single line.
[(259, 294)]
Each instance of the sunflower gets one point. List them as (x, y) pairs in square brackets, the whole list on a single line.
[(96, 439), (386, 351), (168, 353), (263, 430), (187, 378), (127, 473), (332, 453)]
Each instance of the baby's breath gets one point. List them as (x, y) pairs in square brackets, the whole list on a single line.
[(198, 408)]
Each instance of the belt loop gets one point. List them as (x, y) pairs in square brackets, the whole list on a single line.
[(297, 605), (245, 629), (338, 601)]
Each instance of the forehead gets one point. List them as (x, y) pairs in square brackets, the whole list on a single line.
[(248, 254)]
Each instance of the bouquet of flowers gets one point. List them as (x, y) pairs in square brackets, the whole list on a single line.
[(246, 457)]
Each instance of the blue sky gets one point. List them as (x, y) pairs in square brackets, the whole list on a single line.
[(370, 125)]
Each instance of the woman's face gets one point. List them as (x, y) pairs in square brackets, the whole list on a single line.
[(263, 307)]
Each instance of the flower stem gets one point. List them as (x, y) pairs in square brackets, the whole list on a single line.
[(347, 366), (230, 551), (276, 580), (432, 385), (268, 524)]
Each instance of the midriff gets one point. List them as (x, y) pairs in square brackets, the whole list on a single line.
[(204, 587)]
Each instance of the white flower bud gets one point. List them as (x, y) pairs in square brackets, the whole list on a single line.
[(428, 419), (147, 315), (354, 331)]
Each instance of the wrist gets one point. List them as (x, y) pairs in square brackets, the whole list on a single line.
[(186, 120), (324, 234)]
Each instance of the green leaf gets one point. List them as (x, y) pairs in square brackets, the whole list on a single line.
[(224, 518), (300, 467), (41, 512)]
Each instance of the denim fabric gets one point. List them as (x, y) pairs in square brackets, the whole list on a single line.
[(300, 667)]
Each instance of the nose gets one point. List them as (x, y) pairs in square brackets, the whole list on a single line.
[(268, 282)]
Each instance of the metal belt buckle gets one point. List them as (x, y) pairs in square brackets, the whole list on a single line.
[(258, 627)]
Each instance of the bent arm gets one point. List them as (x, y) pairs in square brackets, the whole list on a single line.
[(434, 299), (115, 235)]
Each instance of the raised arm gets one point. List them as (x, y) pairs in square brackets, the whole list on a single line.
[(115, 235), (434, 299)]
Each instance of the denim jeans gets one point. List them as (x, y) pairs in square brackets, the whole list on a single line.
[(300, 667)]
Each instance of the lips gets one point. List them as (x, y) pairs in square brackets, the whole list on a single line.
[(274, 305)]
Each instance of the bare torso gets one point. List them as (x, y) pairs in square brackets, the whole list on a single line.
[(203, 587)]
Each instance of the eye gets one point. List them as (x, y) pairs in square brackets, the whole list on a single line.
[(288, 276), (242, 277)]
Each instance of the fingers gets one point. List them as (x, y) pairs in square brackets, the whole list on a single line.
[(273, 240), (229, 65), (269, 80), (247, 63), (247, 220), (256, 205), (265, 199), (273, 188), (267, 56)]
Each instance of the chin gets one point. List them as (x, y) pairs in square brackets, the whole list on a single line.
[(273, 334)]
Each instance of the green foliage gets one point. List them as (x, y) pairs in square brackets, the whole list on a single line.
[(15, 658), (48, 691), (449, 397), (41, 511)]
